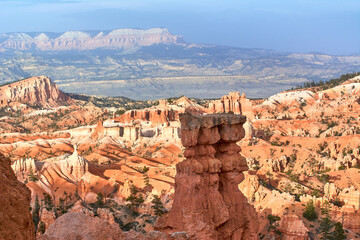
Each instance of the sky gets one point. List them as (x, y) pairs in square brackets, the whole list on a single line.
[(324, 26)]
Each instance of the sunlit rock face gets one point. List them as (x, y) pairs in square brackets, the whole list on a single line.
[(15, 218), (39, 91), (207, 202)]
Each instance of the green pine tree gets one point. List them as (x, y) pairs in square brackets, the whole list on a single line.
[(134, 199), (326, 225), (272, 221), (339, 233), (48, 202), (36, 212), (99, 200), (42, 227), (157, 206), (310, 213), (32, 177)]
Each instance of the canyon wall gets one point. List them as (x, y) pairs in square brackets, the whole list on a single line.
[(15, 218), (207, 202)]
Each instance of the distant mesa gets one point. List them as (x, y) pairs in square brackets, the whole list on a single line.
[(35, 91), (86, 40)]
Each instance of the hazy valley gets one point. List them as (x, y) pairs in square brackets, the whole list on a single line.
[(151, 64)]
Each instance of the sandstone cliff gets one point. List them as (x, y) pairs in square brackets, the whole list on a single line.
[(39, 91), (207, 203), (15, 218)]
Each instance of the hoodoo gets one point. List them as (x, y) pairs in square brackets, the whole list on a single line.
[(207, 202)]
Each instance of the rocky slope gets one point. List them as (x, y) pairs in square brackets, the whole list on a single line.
[(304, 148), (15, 218), (36, 91), (82, 40)]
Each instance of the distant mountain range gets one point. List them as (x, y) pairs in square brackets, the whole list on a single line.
[(87, 40), (153, 63)]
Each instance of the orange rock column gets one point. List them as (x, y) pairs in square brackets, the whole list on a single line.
[(207, 202)]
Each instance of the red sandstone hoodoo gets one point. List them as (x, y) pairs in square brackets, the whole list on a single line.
[(207, 203)]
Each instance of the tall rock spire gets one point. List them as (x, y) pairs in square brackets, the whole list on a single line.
[(207, 202)]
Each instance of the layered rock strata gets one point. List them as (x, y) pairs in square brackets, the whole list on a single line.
[(15, 218), (207, 202), (235, 103), (155, 116), (40, 91)]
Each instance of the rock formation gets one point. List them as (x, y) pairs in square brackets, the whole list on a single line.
[(15, 218), (40, 91), (153, 115), (293, 228), (207, 202), (98, 131), (164, 113), (75, 166), (235, 103), (76, 40), (23, 167), (81, 226), (190, 105)]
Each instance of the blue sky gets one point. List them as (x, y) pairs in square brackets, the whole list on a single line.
[(327, 26)]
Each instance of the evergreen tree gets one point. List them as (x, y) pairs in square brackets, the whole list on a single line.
[(339, 233), (63, 205), (157, 206), (310, 213), (99, 200), (134, 198), (326, 224), (272, 221), (42, 227), (48, 202), (32, 177), (36, 212), (147, 183)]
